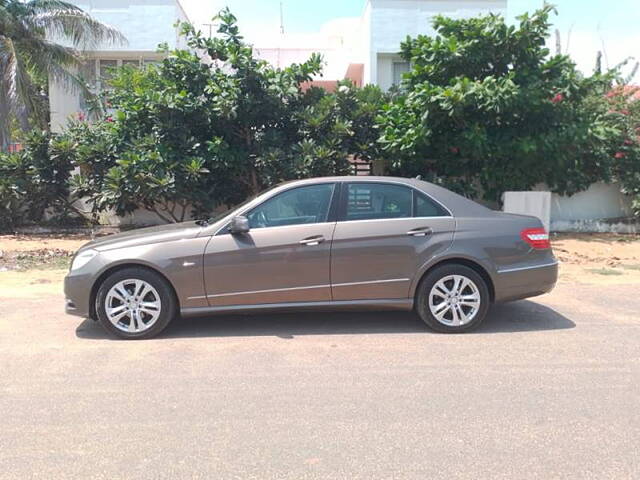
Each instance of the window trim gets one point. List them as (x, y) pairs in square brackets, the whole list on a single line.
[(344, 198)]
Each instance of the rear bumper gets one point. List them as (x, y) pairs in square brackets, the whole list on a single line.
[(524, 282)]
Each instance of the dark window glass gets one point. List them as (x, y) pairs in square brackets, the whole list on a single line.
[(107, 69), (367, 201), (294, 207), (425, 207)]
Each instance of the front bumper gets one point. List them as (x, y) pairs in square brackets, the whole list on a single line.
[(525, 282), (77, 292)]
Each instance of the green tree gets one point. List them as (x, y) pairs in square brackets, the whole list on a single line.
[(30, 54), (486, 108), (35, 181), (624, 104), (213, 125), (343, 124)]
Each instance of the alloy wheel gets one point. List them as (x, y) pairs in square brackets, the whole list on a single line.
[(454, 300), (133, 305)]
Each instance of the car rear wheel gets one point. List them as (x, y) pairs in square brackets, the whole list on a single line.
[(135, 303), (453, 299)]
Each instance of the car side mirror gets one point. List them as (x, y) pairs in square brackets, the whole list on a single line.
[(239, 225)]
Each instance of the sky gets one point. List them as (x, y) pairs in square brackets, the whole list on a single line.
[(586, 26)]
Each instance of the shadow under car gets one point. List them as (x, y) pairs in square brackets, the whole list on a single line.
[(521, 316)]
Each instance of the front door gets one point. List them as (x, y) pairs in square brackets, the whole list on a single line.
[(284, 258), (385, 233)]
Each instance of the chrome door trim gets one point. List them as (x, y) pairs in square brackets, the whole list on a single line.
[(392, 219), (532, 267), (274, 290), (371, 282), (271, 290), (198, 297)]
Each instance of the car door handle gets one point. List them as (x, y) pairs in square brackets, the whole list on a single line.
[(312, 241), (420, 232)]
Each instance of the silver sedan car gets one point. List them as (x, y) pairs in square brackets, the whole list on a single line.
[(336, 243)]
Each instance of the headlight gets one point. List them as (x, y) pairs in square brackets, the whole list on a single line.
[(82, 258)]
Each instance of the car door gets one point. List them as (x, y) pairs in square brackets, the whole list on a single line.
[(385, 232), (285, 256)]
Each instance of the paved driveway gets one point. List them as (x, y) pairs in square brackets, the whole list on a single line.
[(546, 389)]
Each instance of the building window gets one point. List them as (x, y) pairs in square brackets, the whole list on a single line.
[(131, 63), (98, 71), (106, 72), (399, 69), (88, 72)]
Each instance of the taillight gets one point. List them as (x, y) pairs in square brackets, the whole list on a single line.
[(536, 237)]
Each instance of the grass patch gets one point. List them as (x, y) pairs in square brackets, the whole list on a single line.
[(605, 271), (631, 267), (35, 263), (51, 259)]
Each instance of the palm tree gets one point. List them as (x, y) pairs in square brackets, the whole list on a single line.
[(41, 40)]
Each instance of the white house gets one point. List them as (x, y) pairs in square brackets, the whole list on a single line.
[(145, 24), (365, 49)]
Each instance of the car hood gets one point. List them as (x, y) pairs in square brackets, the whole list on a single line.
[(145, 236)]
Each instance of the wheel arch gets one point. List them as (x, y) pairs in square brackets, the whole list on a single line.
[(467, 262), (121, 266)]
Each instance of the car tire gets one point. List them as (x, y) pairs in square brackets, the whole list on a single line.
[(129, 314), (463, 309)]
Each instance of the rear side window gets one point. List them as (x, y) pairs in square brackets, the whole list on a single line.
[(368, 201), (425, 207)]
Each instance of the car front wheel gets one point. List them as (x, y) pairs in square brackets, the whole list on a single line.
[(452, 298), (135, 303)]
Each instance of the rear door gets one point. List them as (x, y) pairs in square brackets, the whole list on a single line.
[(385, 232)]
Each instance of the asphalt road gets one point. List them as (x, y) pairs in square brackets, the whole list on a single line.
[(548, 388)]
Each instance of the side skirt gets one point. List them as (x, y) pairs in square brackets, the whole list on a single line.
[(338, 305)]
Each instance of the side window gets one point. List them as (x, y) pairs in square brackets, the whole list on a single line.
[(294, 207), (367, 201), (425, 207)]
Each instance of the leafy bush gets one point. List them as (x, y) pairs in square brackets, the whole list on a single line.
[(34, 182), (484, 109), (10, 195), (625, 110), (487, 109), (213, 125)]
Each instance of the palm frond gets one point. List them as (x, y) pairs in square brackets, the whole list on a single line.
[(77, 27), (6, 19), (18, 88), (5, 115), (39, 6), (42, 52), (39, 40)]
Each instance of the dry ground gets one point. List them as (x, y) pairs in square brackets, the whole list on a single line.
[(598, 258), (545, 388)]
